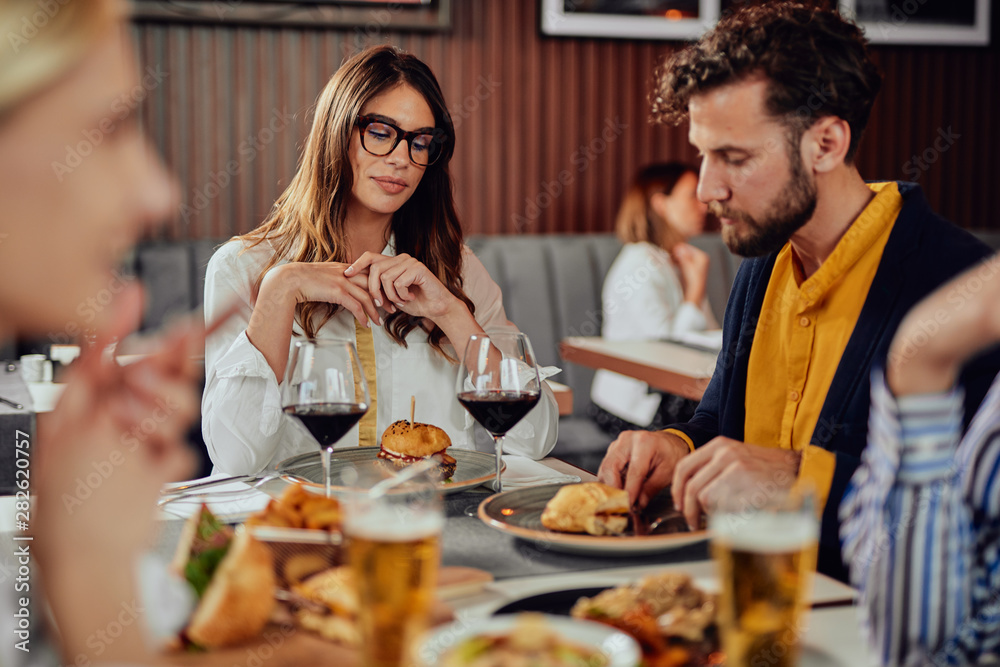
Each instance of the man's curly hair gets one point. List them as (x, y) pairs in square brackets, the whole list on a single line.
[(817, 64)]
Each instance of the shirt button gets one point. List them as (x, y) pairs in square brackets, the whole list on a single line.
[(804, 321), (793, 396)]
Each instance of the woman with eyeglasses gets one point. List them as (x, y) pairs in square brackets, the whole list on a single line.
[(364, 244)]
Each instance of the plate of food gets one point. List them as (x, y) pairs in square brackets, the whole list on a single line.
[(528, 639), (589, 518), (402, 444), (668, 614)]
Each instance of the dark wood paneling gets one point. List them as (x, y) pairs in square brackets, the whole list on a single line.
[(235, 107)]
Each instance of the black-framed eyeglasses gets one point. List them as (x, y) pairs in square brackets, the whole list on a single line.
[(380, 137)]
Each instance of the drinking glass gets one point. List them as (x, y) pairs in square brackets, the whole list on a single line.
[(498, 384), (394, 552), (325, 389), (765, 555)]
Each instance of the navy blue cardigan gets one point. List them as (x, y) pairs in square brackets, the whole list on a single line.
[(923, 251)]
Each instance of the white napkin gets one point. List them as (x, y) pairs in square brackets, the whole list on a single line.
[(222, 504), (522, 472)]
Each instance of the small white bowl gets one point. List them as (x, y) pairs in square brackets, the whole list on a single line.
[(620, 649)]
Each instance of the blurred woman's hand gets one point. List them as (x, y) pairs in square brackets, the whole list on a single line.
[(115, 437), (693, 264)]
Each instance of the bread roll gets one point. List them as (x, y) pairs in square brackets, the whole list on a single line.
[(404, 444), (591, 507), (416, 440)]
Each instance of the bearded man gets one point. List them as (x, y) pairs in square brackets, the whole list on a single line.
[(778, 97)]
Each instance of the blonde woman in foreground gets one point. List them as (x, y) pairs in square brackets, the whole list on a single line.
[(65, 83)]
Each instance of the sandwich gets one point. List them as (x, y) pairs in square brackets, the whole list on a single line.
[(404, 444), (328, 605), (591, 507), (233, 577)]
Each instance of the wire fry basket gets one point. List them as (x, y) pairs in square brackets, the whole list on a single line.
[(299, 553)]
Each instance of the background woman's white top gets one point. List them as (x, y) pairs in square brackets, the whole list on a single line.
[(642, 299), (243, 425)]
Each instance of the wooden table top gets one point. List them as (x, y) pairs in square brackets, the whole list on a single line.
[(669, 367)]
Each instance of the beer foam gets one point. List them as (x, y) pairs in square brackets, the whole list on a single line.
[(765, 532), (393, 524)]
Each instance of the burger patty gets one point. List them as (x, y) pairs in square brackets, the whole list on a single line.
[(445, 469)]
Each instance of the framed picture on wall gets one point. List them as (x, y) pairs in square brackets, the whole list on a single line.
[(629, 19), (367, 15), (922, 21), (961, 22)]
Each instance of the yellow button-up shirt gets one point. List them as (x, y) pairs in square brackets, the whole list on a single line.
[(804, 326)]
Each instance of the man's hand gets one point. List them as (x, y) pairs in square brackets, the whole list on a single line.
[(642, 463), (726, 468)]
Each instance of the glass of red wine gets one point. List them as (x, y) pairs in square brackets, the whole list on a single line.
[(325, 389), (498, 384)]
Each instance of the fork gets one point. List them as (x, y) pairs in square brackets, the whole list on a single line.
[(196, 490)]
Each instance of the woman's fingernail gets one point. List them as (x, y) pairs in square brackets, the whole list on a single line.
[(378, 304), (349, 269)]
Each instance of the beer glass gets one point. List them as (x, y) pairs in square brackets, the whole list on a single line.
[(394, 552), (765, 556)]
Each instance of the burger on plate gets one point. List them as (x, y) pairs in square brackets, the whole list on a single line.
[(404, 444)]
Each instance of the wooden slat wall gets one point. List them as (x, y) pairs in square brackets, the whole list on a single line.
[(527, 107)]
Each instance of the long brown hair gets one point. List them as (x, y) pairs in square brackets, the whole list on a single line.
[(307, 222), (637, 221)]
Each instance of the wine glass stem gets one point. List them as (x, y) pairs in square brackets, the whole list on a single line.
[(498, 441), (326, 468)]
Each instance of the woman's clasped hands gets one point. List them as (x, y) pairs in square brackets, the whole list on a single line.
[(402, 282)]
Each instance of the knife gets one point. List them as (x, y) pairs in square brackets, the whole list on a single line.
[(198, 486)]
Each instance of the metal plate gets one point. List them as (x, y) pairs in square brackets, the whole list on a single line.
[(472, 468), (519, 513)]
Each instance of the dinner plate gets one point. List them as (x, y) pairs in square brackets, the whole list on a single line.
[(558, 603), (472, 468), (619, 649), (519, 513)]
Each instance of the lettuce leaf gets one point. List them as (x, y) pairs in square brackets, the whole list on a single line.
[(199, 569)]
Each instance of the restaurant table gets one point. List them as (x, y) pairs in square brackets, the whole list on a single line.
[(564, 397), (521, 568), (671, 367)]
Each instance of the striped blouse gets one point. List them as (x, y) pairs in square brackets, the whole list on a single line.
[(920, 526)]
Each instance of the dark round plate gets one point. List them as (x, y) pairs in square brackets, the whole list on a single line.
[(519, 513), (555, 602)]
